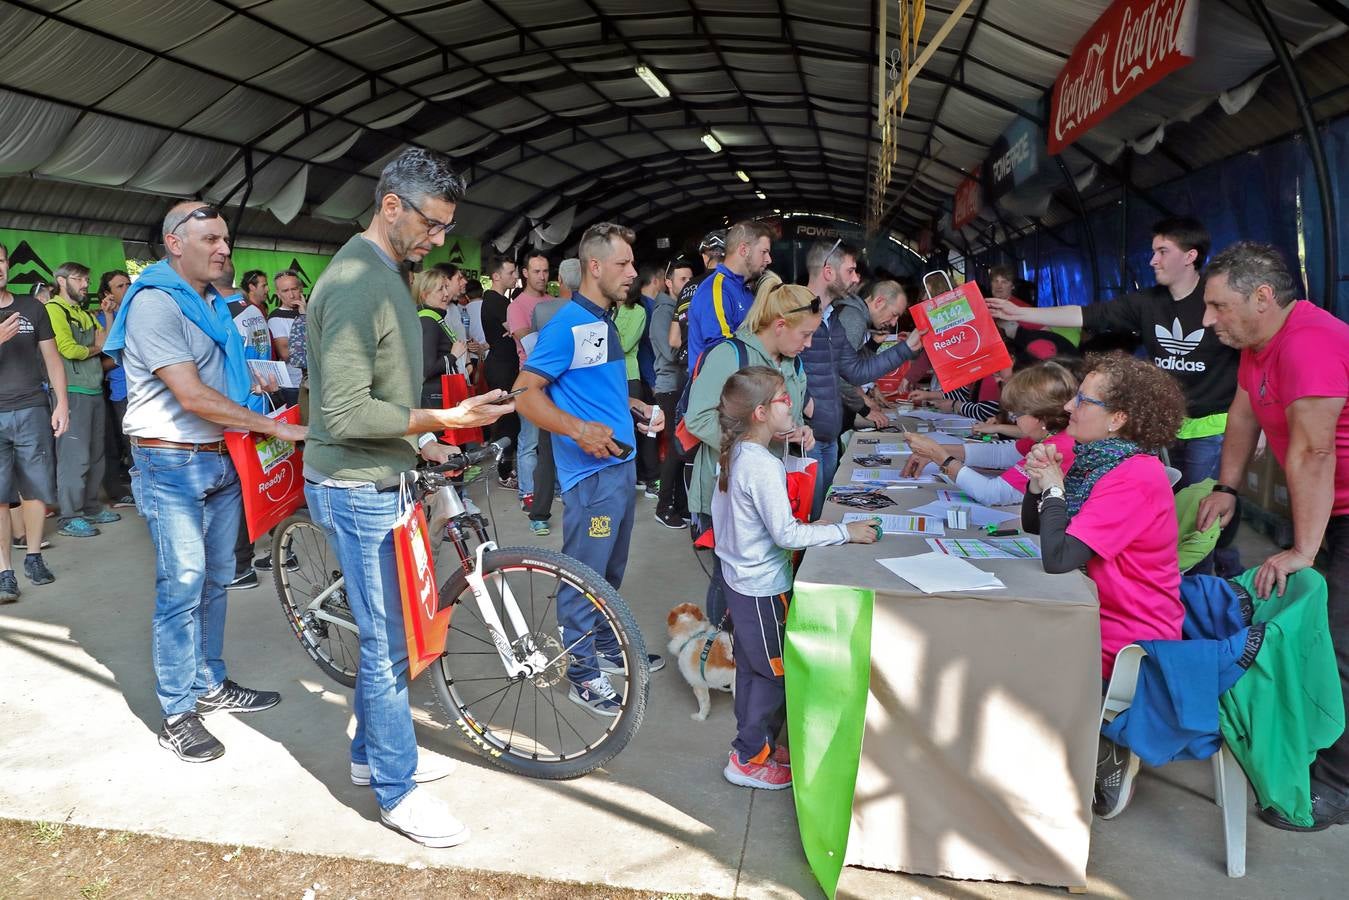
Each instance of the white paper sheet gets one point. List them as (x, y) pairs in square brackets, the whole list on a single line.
[(286, 376), (979, 515), (900, 524), (888, 477), (987, 548), (936, 572)]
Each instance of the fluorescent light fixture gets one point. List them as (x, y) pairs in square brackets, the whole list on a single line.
[(712, 143), (740, 173), (776, 210), (652, 81), (761, 195)]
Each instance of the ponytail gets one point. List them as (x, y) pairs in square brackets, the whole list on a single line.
[(744, 392)]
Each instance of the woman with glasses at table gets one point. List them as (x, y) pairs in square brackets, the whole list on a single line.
[(1034, 400), (776, 329), (1112, 511)]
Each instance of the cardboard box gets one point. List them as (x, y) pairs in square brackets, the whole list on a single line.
[(1280, 504), (1257, 481)]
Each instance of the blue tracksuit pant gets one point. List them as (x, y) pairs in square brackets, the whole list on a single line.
[(760, 690)]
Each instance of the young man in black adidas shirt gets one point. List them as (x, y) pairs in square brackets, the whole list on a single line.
[(1170, 320)]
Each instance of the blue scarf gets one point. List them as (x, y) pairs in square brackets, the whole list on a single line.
[(212, 318), (1092, 462)]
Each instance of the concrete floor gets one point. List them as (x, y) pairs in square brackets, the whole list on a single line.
[(78, 719)]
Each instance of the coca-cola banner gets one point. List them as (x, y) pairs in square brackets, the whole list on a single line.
[(1134, 45)]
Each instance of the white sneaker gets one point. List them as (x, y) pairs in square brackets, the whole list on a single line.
[(426, 820), (430, 767)]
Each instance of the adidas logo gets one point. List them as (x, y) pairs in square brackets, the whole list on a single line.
[(1176, 341)]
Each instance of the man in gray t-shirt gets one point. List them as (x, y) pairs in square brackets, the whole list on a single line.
[(174, 345)]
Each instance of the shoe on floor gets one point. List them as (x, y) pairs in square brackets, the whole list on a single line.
[(127, 502), (654, 661), (231, 697), (36, 569), (1325, 812), (1116, 768), (430, 767), (77, 527), (653, 489), (509, 482), (540, 528), (21, 543), (104, 517), (526, 502), (244, 581), (9, 586), (598, 696), (767, 775), (188, 738), (264, 563), (426, 820), (671, 520)]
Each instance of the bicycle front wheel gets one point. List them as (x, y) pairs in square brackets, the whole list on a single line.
[(309, 584), (530, 725)]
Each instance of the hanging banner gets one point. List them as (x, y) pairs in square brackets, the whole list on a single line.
[(464, 252), (969, 200), (1014, 159), (307, 265), (1132, 46), (35, 255)]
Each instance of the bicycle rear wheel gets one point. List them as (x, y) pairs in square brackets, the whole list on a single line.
[(324, 627), (529, 725)]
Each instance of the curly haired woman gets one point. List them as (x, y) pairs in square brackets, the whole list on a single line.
[(1113, 512)]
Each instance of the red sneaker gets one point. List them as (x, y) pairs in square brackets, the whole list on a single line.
[(781, 756), (767, 776)]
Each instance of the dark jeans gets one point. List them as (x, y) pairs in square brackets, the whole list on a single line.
[(673, 496), (545, 480), (715, 603), (116, 454), (1197, 459), (509, 427), (648, 448), (1331, 767)]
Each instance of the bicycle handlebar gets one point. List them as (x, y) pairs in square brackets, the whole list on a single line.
[(458, 463)]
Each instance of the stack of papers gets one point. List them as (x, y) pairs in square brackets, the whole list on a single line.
[(900, 524), (979, 515), (987, 548), (937, 573), (887, 478), (285, 376)]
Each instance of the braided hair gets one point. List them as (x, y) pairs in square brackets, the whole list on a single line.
[(744, 392)]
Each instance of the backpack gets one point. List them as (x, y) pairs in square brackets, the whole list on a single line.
[(687, 441)]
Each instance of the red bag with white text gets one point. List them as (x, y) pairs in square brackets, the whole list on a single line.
[(271, 474), (962, 341), (425, 624)]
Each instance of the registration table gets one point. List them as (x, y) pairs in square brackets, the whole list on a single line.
[(941, 734)]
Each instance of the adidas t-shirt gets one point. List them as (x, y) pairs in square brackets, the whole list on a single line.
[(1176, 340)]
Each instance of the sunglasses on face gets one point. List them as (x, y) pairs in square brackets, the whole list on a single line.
[(201, 212), (813, 306), (433, 226)]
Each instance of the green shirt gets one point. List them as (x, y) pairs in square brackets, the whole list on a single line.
[(365, 364)]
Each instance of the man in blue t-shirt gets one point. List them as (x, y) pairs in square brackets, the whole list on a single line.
[(577, 390), (723, 298)]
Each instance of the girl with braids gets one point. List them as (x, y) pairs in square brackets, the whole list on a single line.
[(756, 531), (1113, 512)]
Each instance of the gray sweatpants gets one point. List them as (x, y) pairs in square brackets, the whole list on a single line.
[(80, 457)]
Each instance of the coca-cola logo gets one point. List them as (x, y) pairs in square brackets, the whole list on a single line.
[(1130, 48)]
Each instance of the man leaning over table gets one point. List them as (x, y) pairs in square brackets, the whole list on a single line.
[(1292, 384)]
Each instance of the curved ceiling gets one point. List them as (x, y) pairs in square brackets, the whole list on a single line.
[(291, 107)]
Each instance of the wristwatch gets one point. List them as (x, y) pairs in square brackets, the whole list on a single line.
[(946, 462), (1053, 491)]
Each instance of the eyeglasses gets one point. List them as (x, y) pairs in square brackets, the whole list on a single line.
[(201, 212), (813, 306), (783, 398), (1083, 398), (433, 226)]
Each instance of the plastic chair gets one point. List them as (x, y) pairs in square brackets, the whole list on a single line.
[(1229, 782), (1173, 475)]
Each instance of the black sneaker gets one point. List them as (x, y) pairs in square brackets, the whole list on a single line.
[(1116, 767), (36, 569), (264, 563), (230, 697), (188, 738), (9, 587), (245, 581), (671, 520)]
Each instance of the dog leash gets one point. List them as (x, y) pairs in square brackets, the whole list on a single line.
[(707, 645)]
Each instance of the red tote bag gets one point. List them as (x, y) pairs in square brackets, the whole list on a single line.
[(962, 341), (271, 474), (425, 624), (801, 475), (454, 389)]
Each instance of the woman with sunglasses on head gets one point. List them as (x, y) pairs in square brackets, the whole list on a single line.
[(776, 329), (1035, 400), (1112, 511)]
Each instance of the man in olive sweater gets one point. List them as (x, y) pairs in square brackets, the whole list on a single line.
[(365, 367)]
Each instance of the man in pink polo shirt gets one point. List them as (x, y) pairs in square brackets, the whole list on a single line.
[(1292, 383)]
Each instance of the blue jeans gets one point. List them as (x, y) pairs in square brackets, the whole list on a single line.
[(826, 454), (527, 456), (359, 524), (191, 502), (597, 515), (1197, 459)]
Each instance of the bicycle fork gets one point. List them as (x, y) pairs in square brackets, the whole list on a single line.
[(535, 663)]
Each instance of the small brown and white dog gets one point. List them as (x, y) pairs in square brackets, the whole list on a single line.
[(689, 631)]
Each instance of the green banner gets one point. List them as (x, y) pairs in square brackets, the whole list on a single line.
[(35, 255), (827, 659), (307, 265), (464, 252)]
